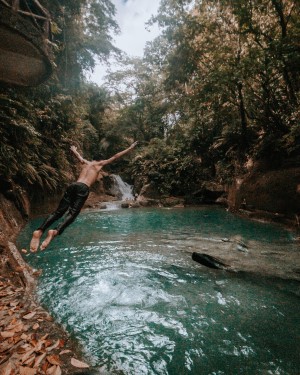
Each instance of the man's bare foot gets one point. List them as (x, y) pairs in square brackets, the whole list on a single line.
[(51, 234), (35, 241)]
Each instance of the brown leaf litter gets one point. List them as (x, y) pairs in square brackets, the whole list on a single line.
[(31, 343)]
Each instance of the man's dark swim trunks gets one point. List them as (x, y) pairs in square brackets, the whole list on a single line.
[(72, 201)]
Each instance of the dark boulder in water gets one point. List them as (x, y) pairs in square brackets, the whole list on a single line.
[(208, 261)]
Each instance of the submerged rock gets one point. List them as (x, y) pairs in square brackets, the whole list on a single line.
[(208, 261)]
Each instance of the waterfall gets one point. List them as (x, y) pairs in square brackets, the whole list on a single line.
[(121, 189)]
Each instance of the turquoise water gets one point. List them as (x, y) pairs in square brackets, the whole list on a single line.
[(124, 284)]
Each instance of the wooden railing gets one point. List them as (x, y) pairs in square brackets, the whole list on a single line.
[(32, 9)]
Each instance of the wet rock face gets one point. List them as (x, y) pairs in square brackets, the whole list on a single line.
[(274, 191), (11, 219)]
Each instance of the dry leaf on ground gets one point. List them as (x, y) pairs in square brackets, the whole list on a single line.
[(29, 315), (54, 359), (58, 371), (6, 334), (54, 346), (6, 369), (27, 371), (65, 351), (38, 360), (78, 364), (53, 370)]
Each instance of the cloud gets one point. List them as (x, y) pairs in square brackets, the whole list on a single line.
[(131, 15)]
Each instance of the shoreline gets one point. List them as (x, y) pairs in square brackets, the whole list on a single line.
[(31, 341)]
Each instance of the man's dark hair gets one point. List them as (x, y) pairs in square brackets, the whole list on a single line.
[(98, 157)]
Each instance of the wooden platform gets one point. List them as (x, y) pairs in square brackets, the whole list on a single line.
[(24, 56)]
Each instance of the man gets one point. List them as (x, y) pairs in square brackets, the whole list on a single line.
[(73, 199)]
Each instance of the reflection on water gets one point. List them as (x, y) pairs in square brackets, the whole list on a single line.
[(123, 283)]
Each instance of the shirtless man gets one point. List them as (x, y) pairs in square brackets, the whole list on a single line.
[(73, 199)]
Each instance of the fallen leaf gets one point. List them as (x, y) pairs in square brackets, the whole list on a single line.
[(39, 345), (12, 322), (15, 327), (20, 269), (7, 369), (39, 359), (25, 327), (27, 355), (6, 334), (48, 343), (45, 367), (53, 359), (57, 371), (78, 364), (54, 346), (51, 370), (24, 251), (30, 360), (21, 350), (36, 326), (27, 371), (5, 346), (33, 342), (65, 351), (16, 339), (29, 315)]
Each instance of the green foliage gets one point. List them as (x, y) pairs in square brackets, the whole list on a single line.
[(170, 169), (228, 74), (38, 125), (37, 133), (82, 35), (218, 87)]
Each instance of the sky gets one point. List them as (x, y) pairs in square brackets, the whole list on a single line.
[(131, 16)]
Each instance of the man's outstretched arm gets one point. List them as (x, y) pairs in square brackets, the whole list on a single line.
[(118, 155), (79, 157)]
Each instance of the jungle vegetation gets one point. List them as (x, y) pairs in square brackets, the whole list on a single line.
[(218, 90)]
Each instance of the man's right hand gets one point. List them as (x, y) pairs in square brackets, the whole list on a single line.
[(134, 144)]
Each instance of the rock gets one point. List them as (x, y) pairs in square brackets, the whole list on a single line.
[(134, 205), (172, 202), (208, 261)]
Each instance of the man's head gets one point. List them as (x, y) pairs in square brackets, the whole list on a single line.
[(98, 157)]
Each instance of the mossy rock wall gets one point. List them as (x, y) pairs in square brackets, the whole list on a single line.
[(276, 191)]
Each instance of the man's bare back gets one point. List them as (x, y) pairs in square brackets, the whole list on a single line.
[(89, 173)]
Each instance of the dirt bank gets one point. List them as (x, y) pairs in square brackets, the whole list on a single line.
[(31, 342), (273, 193)]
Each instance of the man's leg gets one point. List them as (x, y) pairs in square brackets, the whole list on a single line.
[(61, 209), (82, 192), (35, 240), (51, 234)]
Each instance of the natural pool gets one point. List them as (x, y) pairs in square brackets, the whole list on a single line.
[(124, 284)]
